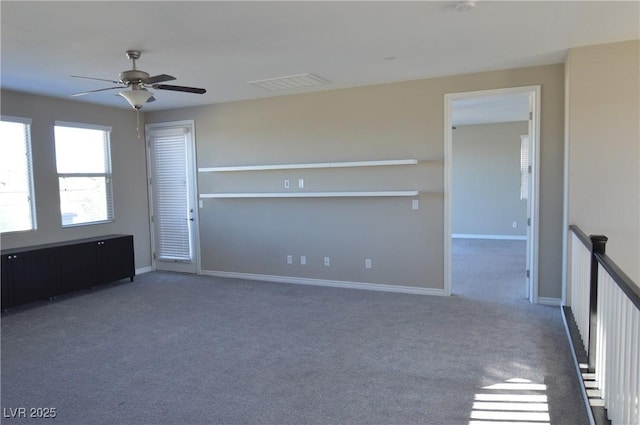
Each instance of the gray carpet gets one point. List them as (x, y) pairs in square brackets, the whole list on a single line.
[(175, 349), (491, 270)]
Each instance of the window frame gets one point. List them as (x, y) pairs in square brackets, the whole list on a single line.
[(107, 175), (29, 172)]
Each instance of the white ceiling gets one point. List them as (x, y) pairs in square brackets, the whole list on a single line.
[(223, 45)]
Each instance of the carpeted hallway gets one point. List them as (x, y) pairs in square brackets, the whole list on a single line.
[(493, 270), (175, 349)]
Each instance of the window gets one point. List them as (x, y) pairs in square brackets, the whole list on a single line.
[(524, 167), (83, 160), (17, 205)]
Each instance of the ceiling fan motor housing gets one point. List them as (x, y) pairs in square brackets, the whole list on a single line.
[(133, 76)]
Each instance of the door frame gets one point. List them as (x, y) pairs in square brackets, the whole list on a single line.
[(192, 164), (534, 198)]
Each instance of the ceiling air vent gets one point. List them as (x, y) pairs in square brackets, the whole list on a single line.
[(291, 82)]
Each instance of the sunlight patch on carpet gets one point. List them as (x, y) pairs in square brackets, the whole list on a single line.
[(513, 402)]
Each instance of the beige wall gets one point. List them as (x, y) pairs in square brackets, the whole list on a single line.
[(128, 160), (603, 138), (486, 180), (402, 120), (391, 121)]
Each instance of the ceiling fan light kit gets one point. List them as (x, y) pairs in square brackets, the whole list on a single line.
[(136, 98), (138, 81)]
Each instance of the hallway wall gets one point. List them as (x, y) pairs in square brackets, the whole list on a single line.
[(603, 144)]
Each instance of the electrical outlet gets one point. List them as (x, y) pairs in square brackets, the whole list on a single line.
[(327, 261), (200, 203), (286, 184), (415, 204), (301, 183), (303, 260), (367, 263), (289, 259), (515, 224)]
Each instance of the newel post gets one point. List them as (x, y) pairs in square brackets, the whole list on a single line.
[(598, 243)]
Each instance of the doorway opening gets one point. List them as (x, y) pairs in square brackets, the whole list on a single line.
[(491, 186)]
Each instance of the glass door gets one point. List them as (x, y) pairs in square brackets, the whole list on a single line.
[(171, 153)]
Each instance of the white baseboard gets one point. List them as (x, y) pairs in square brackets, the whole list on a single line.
[(556, 302), (329, 283), (497, 237), (143, 270)]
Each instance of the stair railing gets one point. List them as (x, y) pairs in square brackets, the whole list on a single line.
[(604, 305)]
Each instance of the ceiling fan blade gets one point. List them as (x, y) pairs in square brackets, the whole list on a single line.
[(93, 91), (98, 79), (179, 88), (158, 79)]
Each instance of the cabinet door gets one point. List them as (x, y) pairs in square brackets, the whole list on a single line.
[(7, 293), (116, 259), (78, 266), (33, 275)]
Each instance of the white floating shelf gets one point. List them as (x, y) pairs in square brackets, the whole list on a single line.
[(310, 194), (311, 165)]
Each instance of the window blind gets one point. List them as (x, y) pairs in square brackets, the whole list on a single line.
[(86, 191), (170, 192), (17, 204), (524, 167)]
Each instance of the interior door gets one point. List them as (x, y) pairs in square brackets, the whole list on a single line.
[(171, 153)]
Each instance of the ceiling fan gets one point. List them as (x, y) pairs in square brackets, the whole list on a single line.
[(139, 82)]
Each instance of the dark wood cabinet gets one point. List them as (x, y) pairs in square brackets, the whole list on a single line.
[(32, 275), (78, 265), (115, 259), (44, 271), (7, 294), (28, 276)]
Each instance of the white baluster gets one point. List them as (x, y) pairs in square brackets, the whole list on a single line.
[(628, 358), (608, 353), (601, 354), (618, 367)]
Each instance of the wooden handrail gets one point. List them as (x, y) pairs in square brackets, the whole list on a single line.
[(581, 235), (624, 282)]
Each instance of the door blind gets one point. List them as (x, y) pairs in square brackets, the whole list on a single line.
[(170, 193), (524, 167)]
